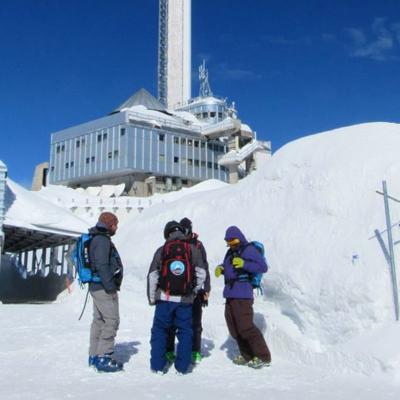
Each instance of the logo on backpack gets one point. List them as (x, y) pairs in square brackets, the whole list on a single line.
[(80, 258), (177, 268), (176, 277)]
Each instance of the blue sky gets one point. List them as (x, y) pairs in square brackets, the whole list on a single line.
[(293, 67)]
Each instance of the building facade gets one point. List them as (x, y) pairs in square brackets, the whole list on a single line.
[(147, 149)]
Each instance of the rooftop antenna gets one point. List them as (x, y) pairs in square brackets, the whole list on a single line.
[(205, 90)]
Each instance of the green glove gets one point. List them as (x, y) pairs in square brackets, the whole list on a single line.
[(219, 270), (237, 262)]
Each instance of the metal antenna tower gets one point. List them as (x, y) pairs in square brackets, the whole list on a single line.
[(205, 90), (163, 52)]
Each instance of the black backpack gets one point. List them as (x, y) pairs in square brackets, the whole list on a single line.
[(176, 277)]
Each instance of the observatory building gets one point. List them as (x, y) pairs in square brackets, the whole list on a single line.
[(156, 145)]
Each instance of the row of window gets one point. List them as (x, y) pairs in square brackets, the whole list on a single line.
[(190, 162), (71, 164), (207, 115), (81, 142), (195, 143)]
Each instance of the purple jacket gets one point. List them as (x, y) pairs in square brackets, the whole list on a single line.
[(254, 262)]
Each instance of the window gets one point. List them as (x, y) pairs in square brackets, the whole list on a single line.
[(58, 148), (196, 163), (93, 158), (203, 163), (110, 154), (122, 131), (99, 138), (184, 181), (220, 115), (203, 145), (215, 166), (196, 143), (205, 115), (209, 146), (198, 116), (52, 168), (72, 164), (87, 160), (161, 157), (83, 141), (183, 140), (213, 114), (77, 144), (190, 161), (209, 164), (176, 160), (176, 140), (161, 137), (66, 165), (116, 153), (63, 147), (183, 160), (104, 135), (190, 142)]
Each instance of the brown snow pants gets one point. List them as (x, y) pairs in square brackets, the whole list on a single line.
[(239, 316)]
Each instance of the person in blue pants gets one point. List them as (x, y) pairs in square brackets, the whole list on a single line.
[(176, 274)]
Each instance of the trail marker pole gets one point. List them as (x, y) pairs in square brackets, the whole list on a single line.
[(391, 251)]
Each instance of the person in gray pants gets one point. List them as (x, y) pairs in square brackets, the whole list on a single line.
[(106, 263)]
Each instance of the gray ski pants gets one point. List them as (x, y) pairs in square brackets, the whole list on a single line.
[(105, 322)]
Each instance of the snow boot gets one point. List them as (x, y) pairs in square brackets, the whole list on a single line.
[(105, 363), (196, 357), (170, 356), (92, 361), (257, 363), (239, 360)]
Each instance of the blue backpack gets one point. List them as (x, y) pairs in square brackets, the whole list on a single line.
[(255, 279), (80, 258)]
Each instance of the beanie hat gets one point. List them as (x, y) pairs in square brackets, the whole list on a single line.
[(186, 224), (108, 219), (172, 226)]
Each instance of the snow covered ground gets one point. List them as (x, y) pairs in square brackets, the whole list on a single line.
[(327, 312)]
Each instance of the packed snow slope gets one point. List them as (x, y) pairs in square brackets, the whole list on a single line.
[(314, 205)]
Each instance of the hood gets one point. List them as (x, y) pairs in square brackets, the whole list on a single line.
[(176, 236), (233, 232), (99, 228)]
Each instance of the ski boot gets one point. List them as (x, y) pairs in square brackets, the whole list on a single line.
[(105, 363), (239, 360), (170, 356), (196, 357), (257, 363), (92, 361)]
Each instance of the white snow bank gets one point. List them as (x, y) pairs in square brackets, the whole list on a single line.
[(315, 208)]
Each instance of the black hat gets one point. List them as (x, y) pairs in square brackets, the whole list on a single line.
[(186, 224), (172, 226)]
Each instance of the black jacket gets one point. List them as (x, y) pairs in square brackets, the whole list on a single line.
[(104, 260), (193, 239)]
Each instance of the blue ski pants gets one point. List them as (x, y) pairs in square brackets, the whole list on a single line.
[(167, 315)]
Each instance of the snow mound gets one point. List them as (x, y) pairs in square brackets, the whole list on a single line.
[(314, 205)]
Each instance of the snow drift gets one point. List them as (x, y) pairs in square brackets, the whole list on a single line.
[(314, 205)]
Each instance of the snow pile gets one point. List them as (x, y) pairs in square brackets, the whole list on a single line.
[(315, 208)]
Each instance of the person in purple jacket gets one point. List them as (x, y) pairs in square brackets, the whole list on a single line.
[(241, 259)]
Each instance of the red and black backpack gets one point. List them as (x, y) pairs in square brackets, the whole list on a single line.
[(176, 277)]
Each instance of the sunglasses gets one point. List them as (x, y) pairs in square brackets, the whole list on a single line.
[(232, 242)]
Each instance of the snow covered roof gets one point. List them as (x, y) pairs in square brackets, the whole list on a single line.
[(33, 222), (141, 98)]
